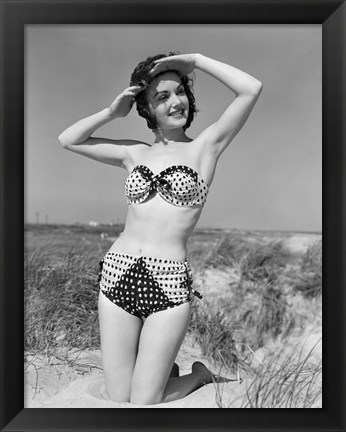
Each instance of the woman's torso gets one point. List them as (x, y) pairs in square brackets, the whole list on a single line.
[(156, 227)]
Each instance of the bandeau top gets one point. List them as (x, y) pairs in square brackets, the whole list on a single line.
[(178, 184)]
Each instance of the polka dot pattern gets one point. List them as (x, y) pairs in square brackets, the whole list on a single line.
[(144, 285), (179, 185)]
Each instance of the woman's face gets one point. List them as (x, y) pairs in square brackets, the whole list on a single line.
[(167, 101)]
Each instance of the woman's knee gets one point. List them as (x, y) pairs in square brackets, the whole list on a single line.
[(118, 393), (146, 398), (145, 394)]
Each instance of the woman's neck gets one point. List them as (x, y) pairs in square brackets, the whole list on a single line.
[(170, 135)]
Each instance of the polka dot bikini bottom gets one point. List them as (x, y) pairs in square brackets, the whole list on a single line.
[(143, 285)]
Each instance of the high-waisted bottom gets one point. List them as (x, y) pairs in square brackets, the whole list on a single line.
[(143, 285)]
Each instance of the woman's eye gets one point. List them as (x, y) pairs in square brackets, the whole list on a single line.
[(181, 91), (162, 97)]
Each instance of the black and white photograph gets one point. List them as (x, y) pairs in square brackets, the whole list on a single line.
[(173, 216)]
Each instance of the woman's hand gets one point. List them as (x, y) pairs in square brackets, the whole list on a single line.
[(184, 63), (123, 103)]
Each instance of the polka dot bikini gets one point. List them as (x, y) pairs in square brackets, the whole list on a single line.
[(144, 285), (179, 185)]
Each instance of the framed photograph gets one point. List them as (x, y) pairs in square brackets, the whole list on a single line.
[(58, 60)]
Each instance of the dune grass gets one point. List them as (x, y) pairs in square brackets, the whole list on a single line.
[(60, 300), (287, 382), (261, 306), (309, 283), (289, 379)]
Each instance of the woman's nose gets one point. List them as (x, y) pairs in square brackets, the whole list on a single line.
[(175, 100)]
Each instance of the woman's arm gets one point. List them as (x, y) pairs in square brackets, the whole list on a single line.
[(246, 88), (77, 137)]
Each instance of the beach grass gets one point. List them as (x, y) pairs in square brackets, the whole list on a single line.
[(288, 380)]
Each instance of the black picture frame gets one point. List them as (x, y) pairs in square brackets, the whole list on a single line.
[(14, 16)]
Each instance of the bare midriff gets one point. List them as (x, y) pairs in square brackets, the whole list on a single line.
[(157, 229)]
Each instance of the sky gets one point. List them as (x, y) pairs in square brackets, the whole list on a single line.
[(270, 177)]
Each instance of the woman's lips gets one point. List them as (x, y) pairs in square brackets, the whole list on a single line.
[(177, 113)]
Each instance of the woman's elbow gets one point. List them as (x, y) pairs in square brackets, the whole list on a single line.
[(63, 141), (257, 87), (253, 89)]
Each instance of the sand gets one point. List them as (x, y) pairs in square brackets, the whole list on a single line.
[(299, 243), (50, 383)]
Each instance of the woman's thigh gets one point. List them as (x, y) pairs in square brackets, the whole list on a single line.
[(119, 333), (161, 337)]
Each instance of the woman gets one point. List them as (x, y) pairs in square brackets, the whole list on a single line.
[(145, 279)]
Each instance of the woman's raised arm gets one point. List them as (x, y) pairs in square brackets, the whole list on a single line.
[(246, 88), (77, 137)]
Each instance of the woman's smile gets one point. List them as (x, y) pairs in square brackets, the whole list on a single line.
[(177, 113)]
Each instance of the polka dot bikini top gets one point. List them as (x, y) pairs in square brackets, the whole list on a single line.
[(178, 184)]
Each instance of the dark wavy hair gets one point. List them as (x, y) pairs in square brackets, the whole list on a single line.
[(141, 76)]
